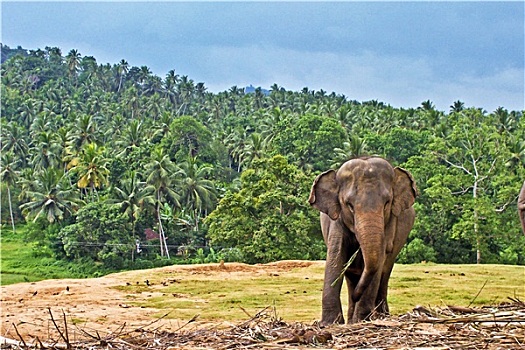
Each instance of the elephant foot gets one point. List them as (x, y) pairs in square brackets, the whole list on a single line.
[(382, 308), (330, 320)]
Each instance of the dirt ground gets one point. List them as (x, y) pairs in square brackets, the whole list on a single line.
[(27, 309)]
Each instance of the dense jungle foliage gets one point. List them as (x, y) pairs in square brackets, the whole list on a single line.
[(113, 164)]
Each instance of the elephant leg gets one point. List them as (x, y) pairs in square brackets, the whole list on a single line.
[(382, 293), (365, 307), (332, 311), (403, 226), (351, 282)]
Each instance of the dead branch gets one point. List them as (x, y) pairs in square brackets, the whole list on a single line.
[(68, 345)]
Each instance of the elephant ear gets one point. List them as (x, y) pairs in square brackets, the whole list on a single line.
[(324, 194), (405, 191)]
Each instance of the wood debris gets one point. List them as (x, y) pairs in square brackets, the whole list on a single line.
[(452, 327)]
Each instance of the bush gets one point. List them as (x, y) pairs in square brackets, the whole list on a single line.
[(99, 233), (415, 252)]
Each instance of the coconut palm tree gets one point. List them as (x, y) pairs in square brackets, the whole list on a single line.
[(45, 152), (352, 148), (50, 196), (131, 137), (457, 107), (516, 147), (198, 193), (9, 175), (186, 89), (162, 175), (14, 140), (91, 168), (85, 131), (73, 62), (122, 69), (28, 111), (255, 148), (131, 197)]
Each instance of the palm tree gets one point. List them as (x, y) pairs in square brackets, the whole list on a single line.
[(73, 62), (86, 131), (162, 174), (235, 142), (8, 175), (91, 168), (352, 148), (143, 74), (170, 88), (131, 137), (122, 69), (186, 88), (427, 105), (14, 140), (153, 84), (28, 111), (49, 196), (269, 124), (506, 121), (457, 107), (198, 193), (516, 147), (255, 148), (45, 152), (131, 197)]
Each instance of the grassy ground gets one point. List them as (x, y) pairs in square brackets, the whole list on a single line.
[(20, 263), (296, 294)]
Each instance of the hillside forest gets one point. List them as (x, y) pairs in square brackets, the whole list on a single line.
[(113, 165)]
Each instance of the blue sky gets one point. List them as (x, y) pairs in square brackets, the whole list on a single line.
[(400, 53)]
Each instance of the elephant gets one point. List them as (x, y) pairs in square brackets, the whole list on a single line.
[(521, 206), (366, 207)]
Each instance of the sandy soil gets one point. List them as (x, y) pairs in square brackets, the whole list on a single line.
[(26, 308)]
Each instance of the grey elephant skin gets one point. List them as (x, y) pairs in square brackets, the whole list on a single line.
[(521, 206), (365, 205)]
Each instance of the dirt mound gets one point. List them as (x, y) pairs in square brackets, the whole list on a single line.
[(97, 303)]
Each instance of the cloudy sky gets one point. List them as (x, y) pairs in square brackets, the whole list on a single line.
[(400, 53)]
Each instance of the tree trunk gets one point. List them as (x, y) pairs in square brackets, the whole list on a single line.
[(10, 208), (162, 236), (476, 225)]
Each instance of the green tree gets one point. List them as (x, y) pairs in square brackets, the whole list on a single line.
[(73, 62), (9, 175), (50, 196), (189, 137), (162, 175), (269, 218), (398, 144), (310, 141), (353, 148), (198, 194), (475, 170), (132, 196), (98, 233), (91, 168)]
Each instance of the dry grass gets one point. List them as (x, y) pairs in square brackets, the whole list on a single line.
[(493, 327)]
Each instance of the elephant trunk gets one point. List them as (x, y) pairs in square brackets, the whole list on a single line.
[(370, 234)]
